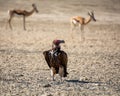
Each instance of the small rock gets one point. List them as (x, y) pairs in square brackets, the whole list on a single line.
[(47, 85), (46, 95)]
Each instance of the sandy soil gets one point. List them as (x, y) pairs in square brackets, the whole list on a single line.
[(94, 65)]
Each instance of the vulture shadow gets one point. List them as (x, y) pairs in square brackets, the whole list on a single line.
[(82, 82)]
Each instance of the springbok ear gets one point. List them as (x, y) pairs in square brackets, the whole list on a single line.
[(33, 4), (92, 12), (89, 13)]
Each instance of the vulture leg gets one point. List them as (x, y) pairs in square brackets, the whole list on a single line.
[(53, 73), (61, 72)]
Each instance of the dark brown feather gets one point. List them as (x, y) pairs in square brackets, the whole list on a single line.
[(57, 62)]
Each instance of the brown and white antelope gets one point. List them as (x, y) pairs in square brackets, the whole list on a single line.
[(81, 21), (22, 13)]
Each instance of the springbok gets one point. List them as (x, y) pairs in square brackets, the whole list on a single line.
[(58, 65), (81, 21), (22, 13)]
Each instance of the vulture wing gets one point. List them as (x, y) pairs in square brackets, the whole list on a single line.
[(47, 57)]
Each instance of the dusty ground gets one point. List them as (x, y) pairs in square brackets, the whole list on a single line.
[(94, 65)]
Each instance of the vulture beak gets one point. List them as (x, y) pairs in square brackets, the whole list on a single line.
[(62, 41)]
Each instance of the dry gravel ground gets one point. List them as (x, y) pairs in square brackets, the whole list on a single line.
[(94, 65)]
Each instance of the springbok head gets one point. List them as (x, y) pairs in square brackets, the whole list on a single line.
[(35, 8), (91, 14)]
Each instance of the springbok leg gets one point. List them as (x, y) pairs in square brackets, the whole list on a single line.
[(24, 22)]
